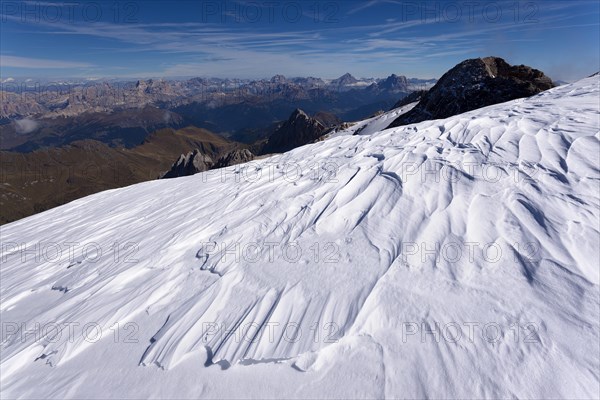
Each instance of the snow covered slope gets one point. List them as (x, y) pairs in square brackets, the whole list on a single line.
[(451, 258), (375, 124)]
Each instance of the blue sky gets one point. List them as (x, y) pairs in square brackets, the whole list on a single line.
[(257, 39)]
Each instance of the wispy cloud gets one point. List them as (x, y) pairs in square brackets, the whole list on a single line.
[(369, 4), (25, 62), (249, 50)]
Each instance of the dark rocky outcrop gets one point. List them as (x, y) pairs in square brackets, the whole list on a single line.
[(190, 164), (328, 120), (238, 156), (473, 84), (298, 130), (196, 161)]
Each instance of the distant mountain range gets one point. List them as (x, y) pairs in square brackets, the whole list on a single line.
[(123, 113), (67, 99)]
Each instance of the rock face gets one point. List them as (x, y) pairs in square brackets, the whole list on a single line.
[(278, 79), (234, 157), (395, 83), (473, 84), (298, 130), (190, 164), (328, 120), (196, 161), (344, 80)]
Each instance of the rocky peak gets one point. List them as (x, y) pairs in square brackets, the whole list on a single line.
[(346, 79), (234, 157), (278, 79), (298, 114), (298, 130), (473, 84), (143, 86), (395, 82), (189, 164), (328, 120)]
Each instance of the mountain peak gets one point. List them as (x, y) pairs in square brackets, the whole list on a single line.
[(473, 84), (298, 130), (396, 77), (395, 82), (298, 113), (346, 79), (278, 79), (189, 164)]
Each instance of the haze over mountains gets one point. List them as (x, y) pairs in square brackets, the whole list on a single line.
[(122, 113)]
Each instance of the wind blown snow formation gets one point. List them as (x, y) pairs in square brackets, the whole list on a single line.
[(449, 258)]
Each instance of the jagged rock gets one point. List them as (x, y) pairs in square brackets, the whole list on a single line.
[(344, 80), (234, 157), (278, 79), (327, 119), (473, 84), (189, 164), (298, 130), (394, 83)]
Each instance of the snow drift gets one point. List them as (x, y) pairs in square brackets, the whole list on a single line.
[(449, 258)]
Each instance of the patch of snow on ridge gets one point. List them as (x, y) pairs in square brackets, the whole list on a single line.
[(357, 259), (375, 124)]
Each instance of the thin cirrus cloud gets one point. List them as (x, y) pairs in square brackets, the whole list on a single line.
[(207, 39), (216, 42), (360, 39), (38, 63)]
